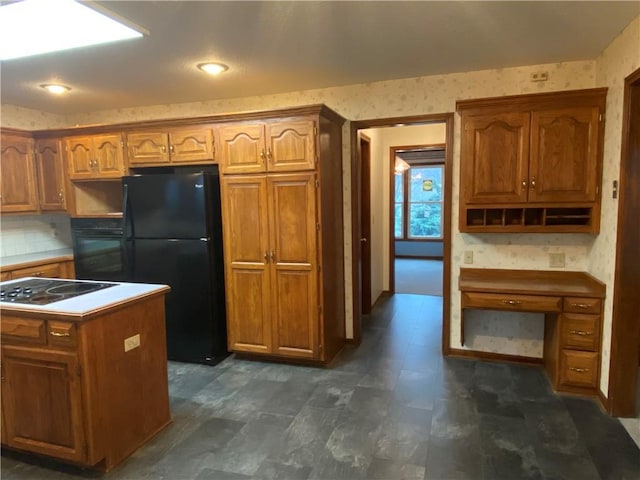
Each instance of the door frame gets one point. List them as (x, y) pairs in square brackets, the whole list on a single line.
[(392, 214), (625, 329), (447, 119), (364, 215)]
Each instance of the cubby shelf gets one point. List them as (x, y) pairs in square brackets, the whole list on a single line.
[(528, 219)]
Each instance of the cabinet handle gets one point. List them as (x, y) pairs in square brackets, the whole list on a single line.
[(262, 154), (512, 302), (581, 305), (60, 195), (273, 256), (582, 333), (266, 256), (164, 149), (171, 148), (59, 334), (533, 183), (579, 370), (269, 154), (37, 274), (524, 184)]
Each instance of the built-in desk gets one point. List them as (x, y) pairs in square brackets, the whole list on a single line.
[(572, 303)]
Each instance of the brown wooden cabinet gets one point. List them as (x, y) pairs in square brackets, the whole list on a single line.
[(283, 237), (17, 175), (59, 267), (189, 145), (95, 156), (532, 162), (50, 173), (276, 146), (74, 390)]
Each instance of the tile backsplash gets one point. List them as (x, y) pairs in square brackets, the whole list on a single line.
[(34, 233)]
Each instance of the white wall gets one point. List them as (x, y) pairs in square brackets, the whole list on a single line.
[(438, 94)]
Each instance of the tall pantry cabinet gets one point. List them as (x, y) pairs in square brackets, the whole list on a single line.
[(283, 234)]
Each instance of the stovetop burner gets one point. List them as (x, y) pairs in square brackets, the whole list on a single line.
[(45, 291)]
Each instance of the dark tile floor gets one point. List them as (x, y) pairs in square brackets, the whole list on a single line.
[(391, 409)]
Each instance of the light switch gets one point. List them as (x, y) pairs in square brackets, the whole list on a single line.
[(556, 260), (468, 256)]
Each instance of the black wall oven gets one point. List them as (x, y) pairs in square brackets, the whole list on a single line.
[(99, 249)]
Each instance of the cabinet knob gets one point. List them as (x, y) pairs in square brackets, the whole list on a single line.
[(171, 149), (363, 240), (579, 370), (164, 149), (269, 154), (581, 305), (273, 256), (533, 183), (511, 302), (524, 184), (266, 256), (60, 334), (262, 154), (60, 195)]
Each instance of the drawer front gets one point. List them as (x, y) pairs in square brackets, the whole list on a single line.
[(582, 305), (5, 276), (580, 331), (499, 301), (62, 334), (579, 369), (51, 270), (22, 330)]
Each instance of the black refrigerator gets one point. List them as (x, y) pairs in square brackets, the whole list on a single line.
[(173, 232)]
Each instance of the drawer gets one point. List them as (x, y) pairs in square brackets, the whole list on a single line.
[(62, 334), (51, 270), (579, 369), (582, 305), (580, 331), (5, 276), (22, 330), (504, 301)]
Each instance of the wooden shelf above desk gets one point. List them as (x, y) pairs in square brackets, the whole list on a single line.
[(571, 353)]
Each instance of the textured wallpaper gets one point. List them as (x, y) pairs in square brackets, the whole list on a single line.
[(28, 119), (438, 94), (34, 233), (619, 60)]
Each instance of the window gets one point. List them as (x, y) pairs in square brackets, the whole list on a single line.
[(418, 202)]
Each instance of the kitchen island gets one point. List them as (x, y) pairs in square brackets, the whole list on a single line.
[(84, 377)]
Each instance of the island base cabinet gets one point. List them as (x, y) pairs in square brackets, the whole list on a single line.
[(41, 400), (92, 397)]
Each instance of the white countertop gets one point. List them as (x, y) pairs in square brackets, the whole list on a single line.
[(35, 257), (87, 303)]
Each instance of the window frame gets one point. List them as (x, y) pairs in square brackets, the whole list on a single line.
[(406, 204)]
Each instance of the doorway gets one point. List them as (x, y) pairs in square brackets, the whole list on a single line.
[(356, 202), (625, 334)]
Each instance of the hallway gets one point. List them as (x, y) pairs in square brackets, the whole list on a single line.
[(392, 408)]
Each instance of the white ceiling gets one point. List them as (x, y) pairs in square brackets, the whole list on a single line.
[(282, 46)]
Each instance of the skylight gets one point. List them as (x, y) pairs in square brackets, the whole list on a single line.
[(33, 27)]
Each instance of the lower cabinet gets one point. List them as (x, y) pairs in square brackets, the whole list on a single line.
[(50, 269), (54, 427), (89, 392)]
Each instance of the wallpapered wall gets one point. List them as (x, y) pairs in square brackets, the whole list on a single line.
[(34, 233), (438, 94)]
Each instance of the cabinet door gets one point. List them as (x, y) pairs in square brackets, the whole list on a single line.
[(245, 232), (17, 175), (291, 146), (50, 171), (109, 155), (242, 148), (47, 270), (494, 158), (293, 255), (80, 157), (147, 148), (564, 155), (191, 145), (42, 402)]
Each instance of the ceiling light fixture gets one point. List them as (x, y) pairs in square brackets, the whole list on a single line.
[(213, 68), (55, 88), (33, 27)]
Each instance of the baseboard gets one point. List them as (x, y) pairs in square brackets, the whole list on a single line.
[(492, 356), (604, 402)]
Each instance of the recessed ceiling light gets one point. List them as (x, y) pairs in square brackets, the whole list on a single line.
[(55, 88), (32, 27), (213, 68)]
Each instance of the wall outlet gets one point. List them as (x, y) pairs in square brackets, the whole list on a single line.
[(539, 76), (556, 260), (132, 342), (468, 257)]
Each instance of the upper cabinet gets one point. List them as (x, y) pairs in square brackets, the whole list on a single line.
[(275, 146), (17, 175), (189, 145), (50, 172), (532, 163), (95, 157)]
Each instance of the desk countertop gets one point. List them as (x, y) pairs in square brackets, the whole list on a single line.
[(530, 282)]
